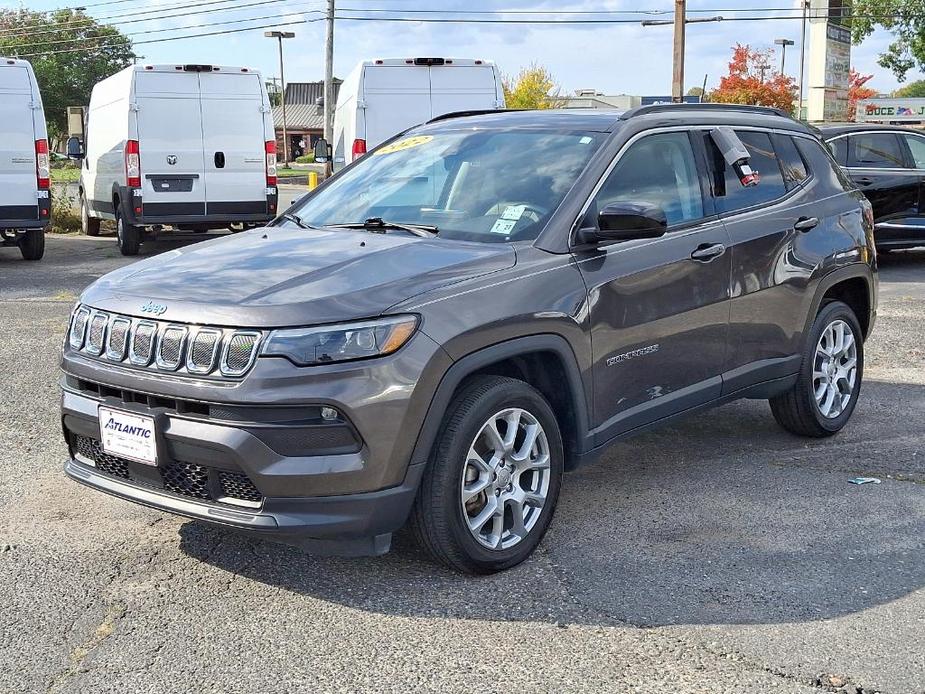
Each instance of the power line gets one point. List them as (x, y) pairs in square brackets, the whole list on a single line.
[(175, 38), (23, 30), (84, 39)]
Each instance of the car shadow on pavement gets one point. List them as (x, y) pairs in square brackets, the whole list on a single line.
[(723, 518)]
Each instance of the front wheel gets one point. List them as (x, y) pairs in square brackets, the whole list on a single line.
[(829, 382), (32, 244), (129, 235), (492, 484)]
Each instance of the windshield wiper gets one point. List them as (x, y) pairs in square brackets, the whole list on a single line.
[(291, 217), (379, 226)]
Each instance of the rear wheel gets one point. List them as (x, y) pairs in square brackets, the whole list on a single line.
[(491, 488), (32, 244), (89, 225), (826, 393), (129, 234)]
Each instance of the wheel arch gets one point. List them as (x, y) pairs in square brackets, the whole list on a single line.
[(854, 286), (546, 362)]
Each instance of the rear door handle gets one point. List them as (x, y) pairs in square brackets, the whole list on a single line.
[(864, 181), (219, 160), (805, 224), (708, 251)]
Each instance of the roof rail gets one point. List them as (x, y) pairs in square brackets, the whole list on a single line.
[(667, 108), (476, 112)]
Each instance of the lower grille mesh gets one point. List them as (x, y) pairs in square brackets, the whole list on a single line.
[(185, 479)]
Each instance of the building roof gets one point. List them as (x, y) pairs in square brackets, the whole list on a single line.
[(302, 109)]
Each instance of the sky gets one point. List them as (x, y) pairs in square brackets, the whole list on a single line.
[(613, 59)]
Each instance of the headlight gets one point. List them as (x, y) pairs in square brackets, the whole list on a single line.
[(332, 343)]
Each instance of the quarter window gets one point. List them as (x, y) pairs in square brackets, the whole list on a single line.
[(839, 148), (875, 151), (660, 170), (731, 195), (917, 147)]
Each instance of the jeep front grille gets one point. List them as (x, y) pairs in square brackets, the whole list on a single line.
[(163, 346)]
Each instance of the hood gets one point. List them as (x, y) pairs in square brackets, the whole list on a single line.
[(278, 277)]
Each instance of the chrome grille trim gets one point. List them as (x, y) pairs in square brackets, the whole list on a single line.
[(170, 347), (162, 346), (120, 329), (96, 333), (79, 327), (238, 368), (197, 361), (148, 331)]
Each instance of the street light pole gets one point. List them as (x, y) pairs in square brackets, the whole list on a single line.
[(783, 43), (329, 76), (280, 35)]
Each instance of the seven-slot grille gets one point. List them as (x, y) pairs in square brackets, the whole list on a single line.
[(163, 346)]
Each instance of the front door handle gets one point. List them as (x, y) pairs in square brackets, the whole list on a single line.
[(805, 224), (706, 252), (864, 181)]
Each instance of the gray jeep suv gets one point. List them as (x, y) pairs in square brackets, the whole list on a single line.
[(441, 329)]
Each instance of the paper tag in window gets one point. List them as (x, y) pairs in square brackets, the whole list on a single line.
[(513, 212), (407, 143), (504, 226)]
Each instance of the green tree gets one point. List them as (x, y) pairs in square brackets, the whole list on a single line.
[(905, 19), (912, 90), (69, 51), (534, 87)]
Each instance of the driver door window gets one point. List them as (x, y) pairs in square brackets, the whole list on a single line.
[(660, 170)]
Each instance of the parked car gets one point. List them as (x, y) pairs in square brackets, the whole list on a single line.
[(381, 98), (888, 164), (25, 197), (189, 146), (436, 333)]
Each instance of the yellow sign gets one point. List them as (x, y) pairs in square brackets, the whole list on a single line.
[(407, 143)]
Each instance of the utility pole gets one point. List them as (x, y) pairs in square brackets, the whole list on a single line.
[(329, 83), (280, 35), (680, 25)]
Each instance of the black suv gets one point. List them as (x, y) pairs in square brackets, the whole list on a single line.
[(888, 164), (441, 329)]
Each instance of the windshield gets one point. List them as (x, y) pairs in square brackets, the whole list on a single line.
[(474, 185)]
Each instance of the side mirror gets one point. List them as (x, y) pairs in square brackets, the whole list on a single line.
[(625, 221), (322, 151), (75, 148)]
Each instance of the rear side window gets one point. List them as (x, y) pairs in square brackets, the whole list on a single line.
[(792, 164), (731, 195), (917, 147), (827, 174), (875, 151)]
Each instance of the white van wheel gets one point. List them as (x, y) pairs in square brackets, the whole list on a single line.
[(89, 225), (129, 235)]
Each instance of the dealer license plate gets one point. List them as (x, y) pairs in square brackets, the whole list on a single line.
[(128, 435)]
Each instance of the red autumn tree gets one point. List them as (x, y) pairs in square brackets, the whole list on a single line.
[(857, 91), (751, 81)]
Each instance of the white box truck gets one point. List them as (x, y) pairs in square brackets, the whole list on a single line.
[(381, 98), (186, 146), (25, 197)]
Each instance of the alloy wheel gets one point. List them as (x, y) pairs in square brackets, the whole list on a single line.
[(506, 479), (835, 369)]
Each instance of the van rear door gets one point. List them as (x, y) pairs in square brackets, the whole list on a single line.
[(462, 88), (234, 143), (396, 97), (170, 143), (18, 184)]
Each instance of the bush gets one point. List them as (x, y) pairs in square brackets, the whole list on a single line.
[(305, 159), (64, 220)]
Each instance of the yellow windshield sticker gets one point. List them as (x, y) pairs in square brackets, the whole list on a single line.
[(407, 143)]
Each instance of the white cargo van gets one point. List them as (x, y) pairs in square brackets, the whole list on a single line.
[(186, 146), (381, 98), (25, 200)]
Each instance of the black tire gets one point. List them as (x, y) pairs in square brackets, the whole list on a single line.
[(90, 226), (129, 235), (437, 519), (797, 410), (32, 244)]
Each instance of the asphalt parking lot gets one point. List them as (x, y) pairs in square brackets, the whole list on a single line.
[(718, 555)]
